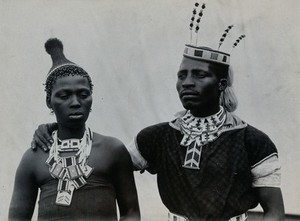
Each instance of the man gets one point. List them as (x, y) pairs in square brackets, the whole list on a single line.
[(85, 173)]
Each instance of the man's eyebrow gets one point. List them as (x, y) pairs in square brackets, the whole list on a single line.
[(182, 71), (200, 70)]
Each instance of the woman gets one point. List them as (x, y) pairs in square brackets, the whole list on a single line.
[(84, 173)]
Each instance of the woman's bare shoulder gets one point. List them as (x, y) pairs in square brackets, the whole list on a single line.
[(107, 140), (112, 144)]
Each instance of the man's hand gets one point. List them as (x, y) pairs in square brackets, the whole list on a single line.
[(42, 136)]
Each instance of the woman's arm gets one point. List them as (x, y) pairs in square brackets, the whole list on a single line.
[(125, 186), (25, 190)]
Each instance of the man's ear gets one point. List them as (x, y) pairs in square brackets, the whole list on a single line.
[(222, 84)]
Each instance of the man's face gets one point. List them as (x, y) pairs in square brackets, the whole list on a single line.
[(197, 85), (71, 100)]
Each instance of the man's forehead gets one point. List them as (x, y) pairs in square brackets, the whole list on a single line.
[(188, 64)]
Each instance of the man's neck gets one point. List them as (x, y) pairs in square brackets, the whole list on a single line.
[(64, 133), (205, 111)]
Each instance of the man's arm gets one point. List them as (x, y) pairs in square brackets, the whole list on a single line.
[(125, 186), (138, 161), (25, 190), (271, 201), (42, 136)]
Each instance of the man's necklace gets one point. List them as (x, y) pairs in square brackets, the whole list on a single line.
[(71, 171), (198, 132)]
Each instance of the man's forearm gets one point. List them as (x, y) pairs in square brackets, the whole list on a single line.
[(132, 216), (273, 216)]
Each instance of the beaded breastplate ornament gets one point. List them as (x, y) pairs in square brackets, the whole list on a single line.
[(67, 162), (198, 132)]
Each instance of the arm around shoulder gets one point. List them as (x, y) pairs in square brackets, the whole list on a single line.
[(25, 189)]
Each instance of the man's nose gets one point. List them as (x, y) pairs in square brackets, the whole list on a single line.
[(188, 82)]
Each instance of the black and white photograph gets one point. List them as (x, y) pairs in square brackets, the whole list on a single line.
[(152, 110)]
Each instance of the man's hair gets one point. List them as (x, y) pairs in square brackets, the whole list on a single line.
[(227, 99), (64, 71), (219, 69)]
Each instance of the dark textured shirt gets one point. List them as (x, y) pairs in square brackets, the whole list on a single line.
[(222, 187)]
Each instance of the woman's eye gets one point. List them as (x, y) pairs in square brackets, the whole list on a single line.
[(63, 96), (84, 95)]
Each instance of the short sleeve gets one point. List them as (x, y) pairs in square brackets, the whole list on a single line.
[(263, 159), (148, 141), (137, 159), (267, 173)]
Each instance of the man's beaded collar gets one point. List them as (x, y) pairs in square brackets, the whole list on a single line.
[(197, 132)]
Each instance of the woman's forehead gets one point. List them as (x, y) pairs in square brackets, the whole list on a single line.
[(71, 81)]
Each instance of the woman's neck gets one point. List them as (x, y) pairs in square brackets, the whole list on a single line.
[(64, 133)]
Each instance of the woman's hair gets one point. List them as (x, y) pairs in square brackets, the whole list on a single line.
[(67, 70), (227, 99), (61, 67)]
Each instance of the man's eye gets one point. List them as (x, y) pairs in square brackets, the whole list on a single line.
[(181, 76), (199, 75)]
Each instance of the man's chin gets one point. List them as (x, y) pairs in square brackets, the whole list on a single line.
[(189, 106)]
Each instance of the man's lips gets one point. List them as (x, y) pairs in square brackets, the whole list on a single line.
[(188, 94)]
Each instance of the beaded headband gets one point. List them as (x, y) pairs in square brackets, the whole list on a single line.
[(63, 65), (205, 53)]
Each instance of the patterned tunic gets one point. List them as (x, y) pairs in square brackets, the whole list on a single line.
[(222, 187)]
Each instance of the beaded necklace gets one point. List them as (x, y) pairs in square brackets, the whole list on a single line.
[(197, 132), (73, 170)]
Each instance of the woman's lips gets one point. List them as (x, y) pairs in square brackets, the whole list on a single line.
[(76, 116)]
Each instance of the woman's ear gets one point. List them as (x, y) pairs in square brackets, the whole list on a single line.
[(48, 103), (222, 84)]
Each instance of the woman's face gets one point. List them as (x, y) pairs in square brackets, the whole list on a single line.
[(71, 100)]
